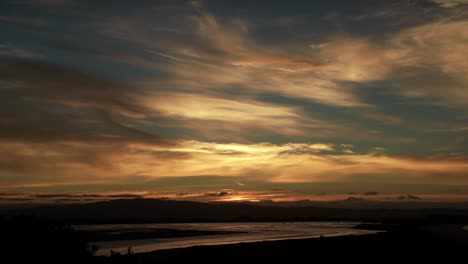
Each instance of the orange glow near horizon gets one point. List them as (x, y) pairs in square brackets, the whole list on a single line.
[(188, 101)]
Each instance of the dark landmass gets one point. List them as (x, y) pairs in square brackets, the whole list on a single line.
[(400, 244), (26, 239), (162, 210), (30, 240), (404, 202), (432, 235)]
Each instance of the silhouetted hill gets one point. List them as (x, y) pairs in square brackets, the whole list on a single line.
[(351, 202), (161, 210)]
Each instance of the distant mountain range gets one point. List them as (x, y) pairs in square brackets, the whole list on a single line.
[(405, 202), (163, 210)]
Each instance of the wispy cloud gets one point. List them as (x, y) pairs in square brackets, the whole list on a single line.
[(47, 3), (278, 163), (8, 50), (177, 89), (204, 113), (433, 60), (23, 21), (222, 55), (450, 3)]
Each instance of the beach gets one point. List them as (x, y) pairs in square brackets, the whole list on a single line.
[(150, 237), (399, 244)]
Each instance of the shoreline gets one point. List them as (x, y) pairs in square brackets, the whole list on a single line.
[(398, 243), (95, 236), (149, 238), (137, 248)]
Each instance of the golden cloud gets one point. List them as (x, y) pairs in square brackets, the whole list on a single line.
[(221, 55), (450, 3), (79, 163), (205, 113)]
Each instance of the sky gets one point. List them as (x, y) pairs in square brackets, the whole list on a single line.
[(233, 100)]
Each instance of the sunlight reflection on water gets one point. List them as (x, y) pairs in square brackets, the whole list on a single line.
[(252, 232)]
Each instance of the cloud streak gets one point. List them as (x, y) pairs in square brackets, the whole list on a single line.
[(278, 163), (315, 93), (223, 55), (450, 3)]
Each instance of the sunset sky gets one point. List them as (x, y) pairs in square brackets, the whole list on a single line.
[(233, 100)]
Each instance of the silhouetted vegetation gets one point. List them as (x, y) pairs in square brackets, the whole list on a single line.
[(26, 239)]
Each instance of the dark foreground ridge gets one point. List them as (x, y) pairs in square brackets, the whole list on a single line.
[(29, 240), (45, 236), (401, 244)]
